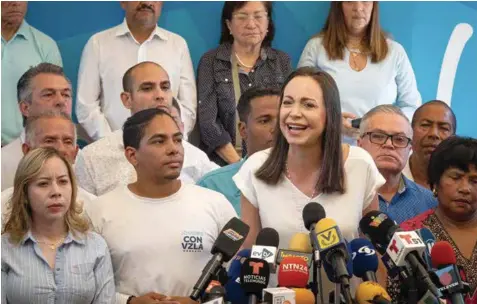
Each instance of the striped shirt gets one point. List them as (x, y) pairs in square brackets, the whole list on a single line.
[(82, 274)]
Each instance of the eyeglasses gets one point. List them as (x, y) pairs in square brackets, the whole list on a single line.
[(378, 138), (258, 17)]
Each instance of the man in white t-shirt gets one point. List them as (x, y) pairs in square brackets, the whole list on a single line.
[(108, 54), (159, 230), (101, 167), (55, 130)]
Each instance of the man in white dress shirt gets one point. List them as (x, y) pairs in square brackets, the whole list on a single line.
[(108, 55), (159, 230), (101, 167), (50, 129), (42, 88)]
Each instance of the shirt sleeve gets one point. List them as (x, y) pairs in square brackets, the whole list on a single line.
[(212, 131), (309, 56), (187, 96), (245, 179), (83, 174), (88, 108), (408, 97), (374, 180), (103, 274), (4, 283)]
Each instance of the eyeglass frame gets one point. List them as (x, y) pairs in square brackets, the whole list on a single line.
[(251, 16), (387, 137)]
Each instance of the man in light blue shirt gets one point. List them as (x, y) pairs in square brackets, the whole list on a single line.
[(22, 47), (258, 112), (386, 133)]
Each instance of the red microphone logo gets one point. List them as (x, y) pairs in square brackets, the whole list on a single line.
[(393, 247), (256, 266)]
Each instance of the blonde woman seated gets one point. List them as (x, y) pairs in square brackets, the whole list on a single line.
[(48, 253)]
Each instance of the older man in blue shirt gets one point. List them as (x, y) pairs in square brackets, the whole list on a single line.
[(22, 47), (386, 133), (258, 112)]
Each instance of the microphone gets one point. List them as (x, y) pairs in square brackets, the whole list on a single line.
[(429, 240), (234, 291), (403, 248), (312, 214), (265, 247), (304, 296), (226, 245), (443, 258), (293, 272), (334, 251), (254, 277), (299, 247), (365, 260), (371, 292)]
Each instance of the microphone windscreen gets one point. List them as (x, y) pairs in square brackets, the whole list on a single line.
[(368, 291), (304, 296), (230, 239), (300, 242), (364, 257), (254, 276), (234, 291), (293, 272), (312, 213), (378, 227), (442, 254), (268, 237)]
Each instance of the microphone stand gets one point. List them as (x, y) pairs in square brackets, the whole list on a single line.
[(410, 281), (316, 284)]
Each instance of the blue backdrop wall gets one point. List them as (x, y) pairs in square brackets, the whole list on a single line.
[(431, 33)]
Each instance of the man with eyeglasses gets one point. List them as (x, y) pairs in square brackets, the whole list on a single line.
[(385, 132)]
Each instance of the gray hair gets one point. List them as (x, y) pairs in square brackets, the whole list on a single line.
[(386, 109), (24, 89), (31, 125)]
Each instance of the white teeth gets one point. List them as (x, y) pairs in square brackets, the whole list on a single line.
[(295, 127)]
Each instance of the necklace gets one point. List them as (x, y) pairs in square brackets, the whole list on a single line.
[(241, 62), (54, 245), (287, 174)]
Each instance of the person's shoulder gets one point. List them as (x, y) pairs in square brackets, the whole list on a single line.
[(6, 195), (395, 48), (95, 239), (211, 54), (42, 36), (106, 33), (259, 157), (174, 37), (201, 194), (109, 143), (316, 40), (416, 222), (111, 198), (359, 154), (279, 54), (219, 173), (191, 149)]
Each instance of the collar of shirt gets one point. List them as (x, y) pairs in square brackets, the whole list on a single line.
[(123, 29), (70, 237), (224, 52), (23, 32)]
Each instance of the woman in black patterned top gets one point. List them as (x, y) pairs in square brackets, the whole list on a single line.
[(245, 42), (453, 177)]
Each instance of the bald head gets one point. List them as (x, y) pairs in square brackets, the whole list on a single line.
[(146, 85)]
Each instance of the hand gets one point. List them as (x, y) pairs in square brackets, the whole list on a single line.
[(348, 130), (153, 298), (184, 300)]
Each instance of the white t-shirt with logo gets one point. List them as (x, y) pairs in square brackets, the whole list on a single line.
[(159, 245)]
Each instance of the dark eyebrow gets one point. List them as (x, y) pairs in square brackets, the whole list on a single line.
[(157, 136), (264, 116), (146, 83), (166, 82)]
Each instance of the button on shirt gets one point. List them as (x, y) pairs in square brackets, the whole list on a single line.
[(220, 180), (83, 272), (410, 201), (102, 166), (217, 105), (27, 48), (108, 55)]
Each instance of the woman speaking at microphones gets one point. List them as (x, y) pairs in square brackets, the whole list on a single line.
[(307, 163)]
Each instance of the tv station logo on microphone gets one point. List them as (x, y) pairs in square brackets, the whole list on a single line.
[(256, 276), (233, 235), (192, 241), (328, 238)]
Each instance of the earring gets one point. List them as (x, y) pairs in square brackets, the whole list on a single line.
[(434, 191)]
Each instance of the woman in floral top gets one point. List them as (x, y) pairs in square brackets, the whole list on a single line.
[(453, 177)]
